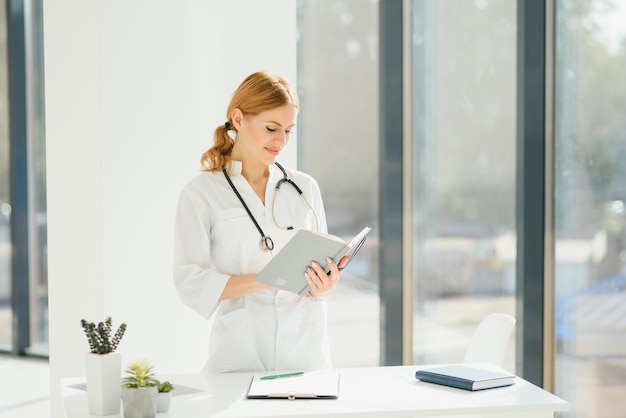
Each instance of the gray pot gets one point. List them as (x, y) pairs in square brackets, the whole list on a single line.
[(163, 401), (139, 402)]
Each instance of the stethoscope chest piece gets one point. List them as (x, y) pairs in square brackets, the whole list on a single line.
[(267, 244)]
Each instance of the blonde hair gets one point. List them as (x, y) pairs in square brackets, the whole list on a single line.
[(259, 92)]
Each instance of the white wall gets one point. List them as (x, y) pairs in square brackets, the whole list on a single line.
[(133, 93)]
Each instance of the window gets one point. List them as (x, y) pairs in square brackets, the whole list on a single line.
[(464, 107), (23, 259), (337, 125), (6, 336), (589, 206), (38, 255)]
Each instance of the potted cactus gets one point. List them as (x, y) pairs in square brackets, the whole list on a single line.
[(139, 394), (164, 396), (103, 366)]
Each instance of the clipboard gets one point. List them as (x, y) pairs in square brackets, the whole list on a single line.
[(319, 384)]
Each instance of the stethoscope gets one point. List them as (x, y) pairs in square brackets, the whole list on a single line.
[(267, 244)]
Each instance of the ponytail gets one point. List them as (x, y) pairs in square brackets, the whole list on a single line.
[(218, 156)]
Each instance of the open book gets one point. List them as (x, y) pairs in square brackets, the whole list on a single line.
[(286, 269)]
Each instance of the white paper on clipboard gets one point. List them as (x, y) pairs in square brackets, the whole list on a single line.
[(319, 384)]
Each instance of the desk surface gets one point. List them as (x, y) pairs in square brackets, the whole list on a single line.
[(364, 392)]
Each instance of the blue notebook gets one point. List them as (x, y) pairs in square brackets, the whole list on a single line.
[(465, 377)]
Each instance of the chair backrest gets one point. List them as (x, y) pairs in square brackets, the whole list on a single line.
[(490, 340)]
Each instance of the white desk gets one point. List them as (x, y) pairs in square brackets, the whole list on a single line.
[(364, 392)]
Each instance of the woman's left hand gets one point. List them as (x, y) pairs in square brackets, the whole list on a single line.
[(321, 283)]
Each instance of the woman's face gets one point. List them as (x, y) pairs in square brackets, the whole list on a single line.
[(261, 138)]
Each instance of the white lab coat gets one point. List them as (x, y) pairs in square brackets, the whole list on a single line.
[(215, 239)]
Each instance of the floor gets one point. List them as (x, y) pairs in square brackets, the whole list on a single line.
[(16, 374)]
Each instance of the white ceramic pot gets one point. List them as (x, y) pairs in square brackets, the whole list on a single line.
[(139, 402), (163, 401), (103, 373)]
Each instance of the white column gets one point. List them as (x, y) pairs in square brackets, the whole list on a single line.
[(134, 91)]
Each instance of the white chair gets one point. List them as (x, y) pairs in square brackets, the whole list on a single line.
[(490, 340)]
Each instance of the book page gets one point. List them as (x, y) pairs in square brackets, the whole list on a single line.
[(358, 237)]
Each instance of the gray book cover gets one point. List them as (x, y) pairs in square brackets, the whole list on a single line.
[(286, 270)]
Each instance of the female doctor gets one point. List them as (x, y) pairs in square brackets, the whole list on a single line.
[(233, 218)]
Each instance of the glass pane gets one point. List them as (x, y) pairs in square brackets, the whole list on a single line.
[(337, 144), (464, 100), (5, 203), (38, 258), (590, 188)]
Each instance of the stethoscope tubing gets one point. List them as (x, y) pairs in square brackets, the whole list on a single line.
[(265, 240), (267, 244)]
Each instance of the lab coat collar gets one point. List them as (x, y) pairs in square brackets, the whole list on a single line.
[(236, 167)]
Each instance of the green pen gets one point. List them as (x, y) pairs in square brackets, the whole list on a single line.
[(279, 376)]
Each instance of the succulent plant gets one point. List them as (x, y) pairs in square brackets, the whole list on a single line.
[(140, 374), (100, 337), (164, 386)]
